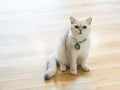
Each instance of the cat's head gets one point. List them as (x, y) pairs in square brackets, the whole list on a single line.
[(80, 28)]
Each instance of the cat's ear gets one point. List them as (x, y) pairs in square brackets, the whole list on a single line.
[(89, 20), (72, 20)]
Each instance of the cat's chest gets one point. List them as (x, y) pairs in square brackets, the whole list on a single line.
[(80, 49)]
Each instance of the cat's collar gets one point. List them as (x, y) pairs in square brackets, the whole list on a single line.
[(82, 41), (77, 45)]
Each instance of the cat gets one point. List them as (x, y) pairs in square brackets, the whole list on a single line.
[(72, 50)]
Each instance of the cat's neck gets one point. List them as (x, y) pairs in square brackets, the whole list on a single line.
[(77, 37)]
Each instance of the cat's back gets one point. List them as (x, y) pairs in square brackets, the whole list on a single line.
[(64, 35)]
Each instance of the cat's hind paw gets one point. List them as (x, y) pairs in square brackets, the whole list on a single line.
[(86, 68), (63, 68)]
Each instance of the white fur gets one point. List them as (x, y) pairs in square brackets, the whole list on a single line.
[(66, 54)]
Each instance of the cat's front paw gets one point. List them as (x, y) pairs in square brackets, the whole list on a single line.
[(85, 68), (73, 72), (62, 68)]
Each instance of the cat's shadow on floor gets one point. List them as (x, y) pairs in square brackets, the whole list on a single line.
[(67, 76)]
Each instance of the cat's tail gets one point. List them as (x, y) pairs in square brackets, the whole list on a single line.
[(51, 67)]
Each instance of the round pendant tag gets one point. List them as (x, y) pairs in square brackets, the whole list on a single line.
[(77, 46)]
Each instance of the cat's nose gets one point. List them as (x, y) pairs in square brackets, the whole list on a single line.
[(80, 30)]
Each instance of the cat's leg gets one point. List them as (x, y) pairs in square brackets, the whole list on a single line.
[(61, 58), (62, 61), (73, 65), (62, 67), (84, 64), (61, 53)]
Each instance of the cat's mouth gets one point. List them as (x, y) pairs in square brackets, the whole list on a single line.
[(80, 33)]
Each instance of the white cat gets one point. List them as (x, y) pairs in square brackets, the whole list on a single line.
[(72, 50)]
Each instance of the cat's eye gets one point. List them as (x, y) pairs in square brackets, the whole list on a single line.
[(84, 27), (77, 27)]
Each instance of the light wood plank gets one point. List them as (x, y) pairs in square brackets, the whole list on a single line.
[(30, 31)]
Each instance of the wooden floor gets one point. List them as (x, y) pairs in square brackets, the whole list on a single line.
[(30, 30)]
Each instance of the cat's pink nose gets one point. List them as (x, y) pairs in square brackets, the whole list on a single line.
[(80, 30)]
